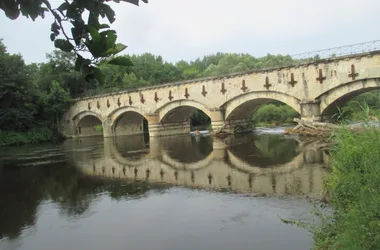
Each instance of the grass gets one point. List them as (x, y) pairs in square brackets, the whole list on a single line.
[(354, 190), (29, 137)]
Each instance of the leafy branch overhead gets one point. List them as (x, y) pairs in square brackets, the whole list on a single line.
[(88, 36)]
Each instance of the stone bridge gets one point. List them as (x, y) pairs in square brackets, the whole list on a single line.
[(314, 90), (219, 169)]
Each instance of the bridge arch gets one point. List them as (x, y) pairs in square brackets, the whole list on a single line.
[(337, 97), (86, 123), (243, 106), (179, 111), (128, 121)]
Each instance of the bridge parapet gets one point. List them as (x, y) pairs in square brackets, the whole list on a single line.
[(312, 88)]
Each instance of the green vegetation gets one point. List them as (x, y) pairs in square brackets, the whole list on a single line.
[(31, 101), (354, 188), (352, 111), (99, 128), (33, 97), (31, 136), (274, 114), (76, 28)]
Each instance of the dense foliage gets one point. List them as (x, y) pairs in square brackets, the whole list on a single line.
[(352, 111), (274, 114), (354, 188), (87, 34), (33, 97)]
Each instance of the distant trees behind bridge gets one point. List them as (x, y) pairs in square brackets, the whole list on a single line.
[(34, 96)]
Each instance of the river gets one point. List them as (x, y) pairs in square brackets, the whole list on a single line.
[(141, 193)]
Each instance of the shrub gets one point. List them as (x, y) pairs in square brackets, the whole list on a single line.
[(274, 114), (32, 136), (354, 187)]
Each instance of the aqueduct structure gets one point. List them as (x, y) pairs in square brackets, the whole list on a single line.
[(314, 89), (220, 168)]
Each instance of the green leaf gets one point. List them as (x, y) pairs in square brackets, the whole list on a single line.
[(119, 47), (96, 48), (52, 37), (63, 7), (110, 38), (93, 20), (63, 45), (109, 13), (104, 26), (116, 49), (79, 63), (135, 2), (121, 61), (94, 33), (11, 9), (99, 76)]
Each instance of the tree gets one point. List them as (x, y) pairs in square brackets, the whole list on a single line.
[(16, 104), (86, 35), (55, 103)]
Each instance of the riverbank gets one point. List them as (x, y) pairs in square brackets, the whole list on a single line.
[(33, 136), (354, 189)]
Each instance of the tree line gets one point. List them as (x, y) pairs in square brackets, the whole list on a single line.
[(34, 96)]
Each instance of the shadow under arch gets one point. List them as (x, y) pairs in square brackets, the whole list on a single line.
[(187, 152), (264, 151), (180, 111), (242, 166), (337, 97), (86, 122), (128, 121), (79, 116), (131, 151), (243, 106)]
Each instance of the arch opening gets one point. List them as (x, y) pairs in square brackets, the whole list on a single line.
[(197, 118), (350, 106), (130, 123), (89, 125), (264, 111)]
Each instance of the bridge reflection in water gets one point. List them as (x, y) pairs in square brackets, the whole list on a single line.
[(249, 164)]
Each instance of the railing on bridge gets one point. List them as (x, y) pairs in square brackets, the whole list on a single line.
[(314, 56), (290, 60), (346, 50)]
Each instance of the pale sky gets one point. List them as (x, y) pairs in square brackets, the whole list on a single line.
[(184, 29)]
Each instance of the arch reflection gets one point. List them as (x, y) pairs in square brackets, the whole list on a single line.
[(249, 165)]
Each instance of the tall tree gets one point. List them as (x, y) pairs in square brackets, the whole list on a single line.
[(16, 104)]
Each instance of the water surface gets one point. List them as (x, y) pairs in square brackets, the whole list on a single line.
[(182, 192)]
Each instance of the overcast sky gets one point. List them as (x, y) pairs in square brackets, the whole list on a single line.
[(184, 29)]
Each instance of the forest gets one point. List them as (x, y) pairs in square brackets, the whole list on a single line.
[(34, 96)]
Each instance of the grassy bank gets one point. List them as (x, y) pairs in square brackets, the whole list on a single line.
[(354, 188), (29, 137)]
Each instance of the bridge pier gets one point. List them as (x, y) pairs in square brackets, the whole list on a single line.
[(68, 128), (108, 131), (218, 122), (219, 149), (166, 129), (231, 126), (310, 111)]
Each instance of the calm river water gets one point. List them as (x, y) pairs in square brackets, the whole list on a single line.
[(181, 192)]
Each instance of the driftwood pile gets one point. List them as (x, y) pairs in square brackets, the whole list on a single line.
[(311, 128)]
